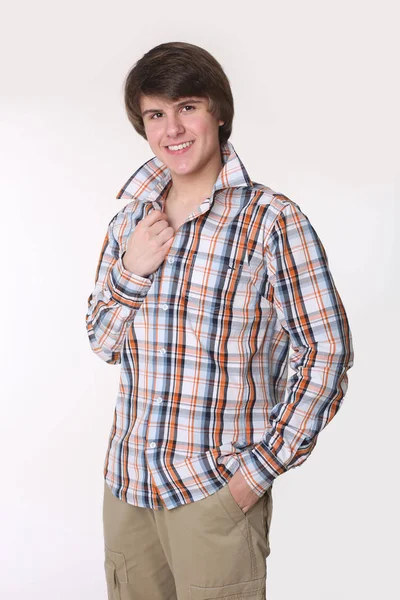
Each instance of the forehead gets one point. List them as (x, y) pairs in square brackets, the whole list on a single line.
[(155, 102)]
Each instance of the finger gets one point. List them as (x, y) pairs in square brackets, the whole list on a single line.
[(159, 226), (166, 235), (154, 216)]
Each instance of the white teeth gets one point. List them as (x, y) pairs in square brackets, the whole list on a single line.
[(185, 145)]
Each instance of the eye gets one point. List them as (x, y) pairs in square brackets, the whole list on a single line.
[(186, 106)]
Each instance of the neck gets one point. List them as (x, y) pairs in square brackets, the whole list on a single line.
[(196, 187)]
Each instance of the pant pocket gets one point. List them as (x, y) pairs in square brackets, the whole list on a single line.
[(267, 514), (232, 507), (115, 571)]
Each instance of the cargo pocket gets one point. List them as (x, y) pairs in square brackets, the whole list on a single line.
[(115, 571), (245, 590)]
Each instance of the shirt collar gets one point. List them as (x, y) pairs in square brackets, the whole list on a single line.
[(149, 180)]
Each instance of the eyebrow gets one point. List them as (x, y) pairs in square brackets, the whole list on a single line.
[(182, 103)]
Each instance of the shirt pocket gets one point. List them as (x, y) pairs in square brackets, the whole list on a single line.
[(219, 297)]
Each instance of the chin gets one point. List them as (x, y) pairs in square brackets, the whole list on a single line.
[(182, 172)]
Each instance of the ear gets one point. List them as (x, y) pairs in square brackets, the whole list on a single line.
[(221, 123)]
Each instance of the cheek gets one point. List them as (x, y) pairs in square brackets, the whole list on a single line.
[(154, 127), (151, 132), (201, 127), (153, 137)]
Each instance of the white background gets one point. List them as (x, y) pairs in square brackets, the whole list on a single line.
[(317, 102)]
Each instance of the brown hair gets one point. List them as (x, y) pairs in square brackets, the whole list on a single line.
[(174, 70)]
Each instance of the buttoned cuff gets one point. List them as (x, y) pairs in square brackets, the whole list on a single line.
[(126, 287), (259, 467)]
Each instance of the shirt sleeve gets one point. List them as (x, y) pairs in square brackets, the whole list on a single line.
[(311, 311), (114, 301)]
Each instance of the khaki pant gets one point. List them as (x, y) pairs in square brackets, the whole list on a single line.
[(198, 551)]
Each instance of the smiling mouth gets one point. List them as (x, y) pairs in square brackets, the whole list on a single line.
[(179, 148)]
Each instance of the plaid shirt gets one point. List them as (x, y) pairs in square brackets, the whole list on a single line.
[(204, 341)]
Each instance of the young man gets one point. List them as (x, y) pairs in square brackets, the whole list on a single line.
[(205, 279)]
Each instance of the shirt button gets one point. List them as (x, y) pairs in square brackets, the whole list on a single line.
[(159, 400), (171, 259), (164, 306), (162, 351), (152, 445)]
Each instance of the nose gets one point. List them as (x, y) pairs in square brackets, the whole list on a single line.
[(174, 126)]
